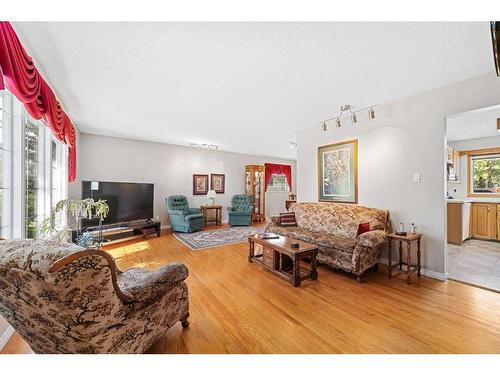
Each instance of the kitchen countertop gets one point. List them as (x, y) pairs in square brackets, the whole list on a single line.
[(474, 200)]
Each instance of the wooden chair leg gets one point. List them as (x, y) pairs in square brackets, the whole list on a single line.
[(184, 321)]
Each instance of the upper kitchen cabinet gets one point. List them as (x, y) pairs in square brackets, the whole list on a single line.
[(453, 165)]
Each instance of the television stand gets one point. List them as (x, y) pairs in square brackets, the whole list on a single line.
[(114, 233)]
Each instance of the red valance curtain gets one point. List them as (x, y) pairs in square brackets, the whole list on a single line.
[(19, 74), (281, 169)]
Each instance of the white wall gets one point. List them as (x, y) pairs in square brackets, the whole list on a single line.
[(470, 144), (169, 167), (407, 136)]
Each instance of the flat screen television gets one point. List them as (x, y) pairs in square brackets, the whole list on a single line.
[(127, 201)]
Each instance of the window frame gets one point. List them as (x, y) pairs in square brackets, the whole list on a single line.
[(17, 174), (9, 114), (474, 155)]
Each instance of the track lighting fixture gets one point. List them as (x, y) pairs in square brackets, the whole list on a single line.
[(205, 147), (353, 115)]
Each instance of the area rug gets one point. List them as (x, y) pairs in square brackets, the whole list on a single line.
[(217, 237)]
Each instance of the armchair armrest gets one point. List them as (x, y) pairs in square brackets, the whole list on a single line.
[(146, 286), (230, 209), (372, 238), (194, 211), (176, 212)]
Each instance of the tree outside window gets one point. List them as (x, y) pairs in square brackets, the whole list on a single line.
[(486, 174)]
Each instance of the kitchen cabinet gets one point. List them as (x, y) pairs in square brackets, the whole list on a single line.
[(485, 221), (498, 222), (458, 222)]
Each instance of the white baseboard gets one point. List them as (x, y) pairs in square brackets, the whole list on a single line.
[(4, 339), (429, 273)]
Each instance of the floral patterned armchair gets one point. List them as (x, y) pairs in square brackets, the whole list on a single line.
[(63, 299)]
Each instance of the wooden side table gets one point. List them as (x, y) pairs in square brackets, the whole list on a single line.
[(218, 214), (410, 269)]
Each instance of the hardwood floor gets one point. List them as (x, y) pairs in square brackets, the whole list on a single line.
[(237, 307)]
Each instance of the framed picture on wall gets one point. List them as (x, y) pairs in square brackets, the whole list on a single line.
[(200, 184), (217, 182), (338, 172)]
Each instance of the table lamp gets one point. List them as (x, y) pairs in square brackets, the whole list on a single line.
[(211, 196)]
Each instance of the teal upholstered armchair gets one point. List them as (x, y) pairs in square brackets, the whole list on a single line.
[(182, 218), (240, 212)]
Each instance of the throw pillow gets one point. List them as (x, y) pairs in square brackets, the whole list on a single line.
[(287, 219), (362, 228)]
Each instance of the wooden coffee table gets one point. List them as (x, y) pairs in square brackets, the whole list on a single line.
[(279, 257)]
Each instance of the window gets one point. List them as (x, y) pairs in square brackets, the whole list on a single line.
[(44, 176), (33, 171), (278, 183), (485, 174), (5, 165)]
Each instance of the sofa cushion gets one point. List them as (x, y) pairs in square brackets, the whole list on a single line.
[(336, 242), (294, 232)]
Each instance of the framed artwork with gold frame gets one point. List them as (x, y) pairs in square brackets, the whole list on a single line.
[(338, 172)]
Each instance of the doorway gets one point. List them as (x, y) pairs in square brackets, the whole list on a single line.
[(473, 197)]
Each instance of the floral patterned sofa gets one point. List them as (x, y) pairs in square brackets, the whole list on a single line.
[(63, 299), (334, 228)]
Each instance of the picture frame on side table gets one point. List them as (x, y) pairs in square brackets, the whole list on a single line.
[(200, 184), (218, 182), (338, 172)]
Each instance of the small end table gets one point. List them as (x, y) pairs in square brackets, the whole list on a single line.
[(218, 214), (408, 239)]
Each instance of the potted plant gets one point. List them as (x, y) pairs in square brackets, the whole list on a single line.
[(78, 209)]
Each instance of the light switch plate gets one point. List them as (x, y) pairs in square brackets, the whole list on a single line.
[(417, 178)]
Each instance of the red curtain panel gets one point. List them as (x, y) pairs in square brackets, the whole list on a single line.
[(278, 169), (19, 75)]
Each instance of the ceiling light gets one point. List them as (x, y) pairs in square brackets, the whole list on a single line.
[(354, 118), (371, 114), (292, 145), (338, 124), (324, 127)]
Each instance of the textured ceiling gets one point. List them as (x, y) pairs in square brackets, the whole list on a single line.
[(247, 87)]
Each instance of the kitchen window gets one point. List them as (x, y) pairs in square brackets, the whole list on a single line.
[(484, 175)]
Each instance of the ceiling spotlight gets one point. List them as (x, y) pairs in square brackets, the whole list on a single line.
[(354, 118), (324, 127), (292, 145), (371, 114), (338, 124)]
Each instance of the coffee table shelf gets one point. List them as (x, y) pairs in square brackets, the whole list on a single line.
[(279, 257)]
